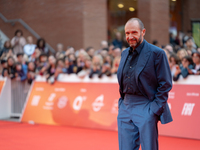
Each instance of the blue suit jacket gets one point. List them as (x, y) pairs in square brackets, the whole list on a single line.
[(153, 78)]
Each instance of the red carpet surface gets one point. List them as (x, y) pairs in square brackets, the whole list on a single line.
[(22, 136)]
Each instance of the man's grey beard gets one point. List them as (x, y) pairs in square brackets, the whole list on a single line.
[(137, 43)]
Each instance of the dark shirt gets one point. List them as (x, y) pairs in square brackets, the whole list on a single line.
[(128, 79)]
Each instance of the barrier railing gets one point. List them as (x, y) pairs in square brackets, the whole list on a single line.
[(26, 26), (19, 91)]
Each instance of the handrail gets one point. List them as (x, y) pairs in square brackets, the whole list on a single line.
[(26, 26)]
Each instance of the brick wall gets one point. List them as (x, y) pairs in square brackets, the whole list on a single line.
[(155, 16), (71, 22), (190, 11)]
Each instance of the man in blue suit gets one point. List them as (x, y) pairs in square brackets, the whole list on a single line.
[(144, 79)]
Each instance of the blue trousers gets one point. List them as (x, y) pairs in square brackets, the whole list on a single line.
[(137, 124)]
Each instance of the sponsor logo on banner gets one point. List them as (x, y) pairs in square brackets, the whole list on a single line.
[(62, 102), (78, 102), (59, 89), (49, 104), (39, 89), (171, 95), (114, 109), (192, 94), (35, 100), (98, 103), (187, 109)]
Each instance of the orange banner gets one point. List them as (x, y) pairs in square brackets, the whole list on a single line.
[(92, 105)]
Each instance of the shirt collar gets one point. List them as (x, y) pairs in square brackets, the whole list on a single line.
[(139, 48)]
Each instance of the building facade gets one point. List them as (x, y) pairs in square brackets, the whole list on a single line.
[(83, 23)]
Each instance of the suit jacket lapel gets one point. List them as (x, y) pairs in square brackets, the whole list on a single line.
[(121, 66), (142, 60)]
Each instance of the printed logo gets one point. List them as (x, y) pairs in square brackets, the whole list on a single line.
[(35, 100), (78, 102), (193, 94), (187, 109), (62, 102), (171, 95), (98, 103), (49, 104), (59, 89)]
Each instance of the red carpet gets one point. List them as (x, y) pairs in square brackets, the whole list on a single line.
[(21, 136)]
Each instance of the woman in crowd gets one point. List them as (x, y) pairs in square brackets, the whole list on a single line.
[(60, 67), (69, 65), (80, 61), (11, 67), (31, 75), (182, 53), (196, 60), (173, 63), (86, 68), (42, 63), (184, 69), (51, 69), (41, 45), (97, 62), (107, 64), (60, 52), (7, 46), (18, 42)]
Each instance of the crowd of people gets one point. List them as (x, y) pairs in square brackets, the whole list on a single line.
[(184, 57), (23, 60)]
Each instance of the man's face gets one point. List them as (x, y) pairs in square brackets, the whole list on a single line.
[(20, 58), (189, 43), (134, 36), (30, 40)]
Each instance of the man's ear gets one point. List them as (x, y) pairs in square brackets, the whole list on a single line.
[(143, 32)]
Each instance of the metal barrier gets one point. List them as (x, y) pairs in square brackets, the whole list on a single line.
[(19, 91)]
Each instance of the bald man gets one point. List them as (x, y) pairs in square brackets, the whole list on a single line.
[(144, 79)]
